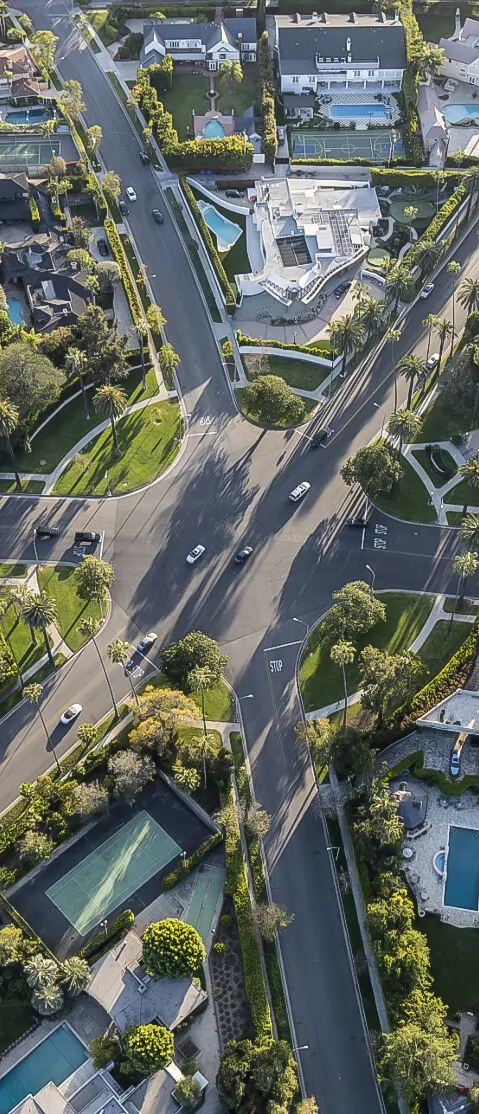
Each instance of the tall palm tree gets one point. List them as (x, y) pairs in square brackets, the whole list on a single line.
[(33, 693), (48, 999), (343, 653), (428, 323), (393, 336), (428, 254), (413, 368), (453, 268), (40, 612), (430, 61), (230, 74), (78, 362), (404, 424), (360, 294), (118, 652), (8, 425), (373, 316), (465, 564), (348, 334), (444, 329), (202, 679), (139, 330), (471, 179), (75, 975), (399, 284), (470, 472), (469, 530), (468, 295), (110, 403), (88, 628)]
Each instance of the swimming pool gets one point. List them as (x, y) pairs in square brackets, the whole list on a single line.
[(454, 113), (225, 231), (359, 112), (214, 129), (462, 882), (54, 1059), (24, 115), (15, 310)]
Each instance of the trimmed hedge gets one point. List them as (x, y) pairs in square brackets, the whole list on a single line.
[(414, 42), (103, 941), (118, 253), (266, 98), (453, 676), (264, 342), (226, 287), (184, 867), (34, 214), (424, 179), (26, 928), (452, 788), (437, 224)]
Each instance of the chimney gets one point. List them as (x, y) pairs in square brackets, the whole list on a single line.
[(396, 16), (314, 17), (457, 28), (239, 36), (297, 17), (324, 17), (239, 13), (353, 17), (348, 49)]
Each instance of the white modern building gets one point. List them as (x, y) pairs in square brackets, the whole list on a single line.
[(307, 235), (352, 52), (207, 45), (461, 52)]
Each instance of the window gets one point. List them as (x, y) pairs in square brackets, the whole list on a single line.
[(295, 80), (174, 44), (371, 73), (356, 73)]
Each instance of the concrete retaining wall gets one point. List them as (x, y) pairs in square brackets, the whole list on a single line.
[(250, 350)]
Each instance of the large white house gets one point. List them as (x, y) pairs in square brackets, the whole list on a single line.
[(207, 45), (461, 52), (339, 52)]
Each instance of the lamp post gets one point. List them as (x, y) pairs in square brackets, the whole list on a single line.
[(336, 849), (378, 407), (300, 1048), (373, 576), (35, 545), (303, 621)]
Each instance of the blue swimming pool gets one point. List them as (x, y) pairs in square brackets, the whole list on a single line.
[(214, 129), (60, 1054), (225, 231), (15, 310), (26, 115), (454, 113), (462, 882), (359, 112)]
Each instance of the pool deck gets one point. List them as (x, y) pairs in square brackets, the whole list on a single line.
[(427, 885), (83, 1014)]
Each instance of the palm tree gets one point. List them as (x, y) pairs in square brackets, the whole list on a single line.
[(342, 653), (430, 61), (444, 329), (404, 424), (471, 179), (88, 628), (110, 403), (453, 269), (469, 530), (39, 971), (413, 368), (78, 362), (410, 213), (48, 999), (202, 679), (470, 472), (139, 330), (427, 255), (399, 284), (8, 425), (393, 336), (118, 652), (230, 74), (428, 323), (348, 334), (373, 317), (468, 295), (40, 612), (360, 294), (3, 17), (75, 975), (33, 693), (465, 564)]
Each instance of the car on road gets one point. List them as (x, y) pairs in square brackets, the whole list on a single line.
[(359, 520), (195, 554), (123, 207), (147, 641), (243, 555), (71, 713), (299, 492), (46, 531), (102, 246), (144, 158), (86, 537), (455, 763), (234, 193), (432, 361), (131, 193), (158, 215), (341, 289), (427, 290), (281, 134), (321, 437)]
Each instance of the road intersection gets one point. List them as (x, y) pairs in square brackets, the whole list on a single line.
[(228, 489)]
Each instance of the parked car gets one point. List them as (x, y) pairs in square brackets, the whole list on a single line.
[(341, 289), (299, 492), (427, 290), (281, 134), (243, 555), (147, 641), (71, 713), (158, 215), (358, 520), (102, 246), (144, 158), (195, 554), (123, 207), (47, 531), (234, 193), (455, 763), (433, 361), (88, 537), (131, 193), (320, 438)]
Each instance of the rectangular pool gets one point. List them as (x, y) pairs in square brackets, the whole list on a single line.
[(54, 1059), (462, 878), (359, 112)]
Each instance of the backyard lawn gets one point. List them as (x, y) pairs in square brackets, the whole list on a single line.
[(456, 982), (190, 93), (59, 583), (298, 373), (149, 441), (15, 1018), (436, 24), (409, 499), (320, 679)]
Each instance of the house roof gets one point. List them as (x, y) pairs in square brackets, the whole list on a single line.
[(210, 34), (458, 51), (13, 185), (25, 87), (412, 800), (16, 59), (433, 124), (130, 996), (448, 1102), (373, 39), (293, 100)]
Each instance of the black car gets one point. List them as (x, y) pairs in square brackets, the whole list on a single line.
[(144, 158), (358, 520), (320, 438), (86, 536), (234, 193), (341, 289), (102, 246), (47, 531), (243, 555), (158, 215), (123, 207)]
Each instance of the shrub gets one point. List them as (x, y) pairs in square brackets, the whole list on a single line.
[(103, 1050), (264, 342), (34, 214), (105, 939), (266, 98), (118, 253), (453, 676), (131, 46), (226, 287), (172, 947), (414, 42), (219, 947), (147, 1048), (184, 866), (187, 1092)]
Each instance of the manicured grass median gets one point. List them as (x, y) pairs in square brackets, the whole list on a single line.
[(8, 569), (60, 583), (29, 487), (297, 373), (409, 498), (309, 406), (218, 703), (441, 423), (149, 441), (424, 460), (19, 636), (320, 679)]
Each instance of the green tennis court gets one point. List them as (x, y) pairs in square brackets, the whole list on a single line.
[(114, 871), (29, 152), (372, 145)]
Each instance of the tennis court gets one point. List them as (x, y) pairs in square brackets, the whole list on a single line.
[(114, 871), (375, 146), (28, 152)]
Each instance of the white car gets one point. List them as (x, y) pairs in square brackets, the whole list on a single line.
[(71, 713), (433, 361), (428, 289), (195, 554), (299, 492), (130, 193), (147, 641)]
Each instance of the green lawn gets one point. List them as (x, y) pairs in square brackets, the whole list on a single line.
[(320, 679), (20, 639), (15, 1018), (149, 441), (14, 698), (8, 569), (454, 518), (425, 462), (298, 373), (190, 91), (467, 607), (458, 494), (218, 703), (59, 583), (441, 423), (440, 646), (435, 24), (456, 982), (106, 31), (409, 498), (29, 487), (309, 406)]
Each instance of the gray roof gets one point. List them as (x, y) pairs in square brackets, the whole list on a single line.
[(210, 33), (448, 1102), (412, 801), (433, 124), (293, 100), (458, 52), (371, 39)]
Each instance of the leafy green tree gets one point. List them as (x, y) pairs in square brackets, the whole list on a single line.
[(318, 735), (355, 610), (387, 679), (430, 61), (405, 425), (43, 46), (11, 945), (35, 846), (257, 1076), (110, 403), (343, 654), (93, 578), (156, 718), (40, 612), (91, 799), (195, 651), (87, 734), (270, 918), (377, 824), (71, 99), (413, 368), (395, 914), (88, 628), (172, 947), (111, 186), (75, 975), (8, 425), (188, 1092), (28, 380), (469, 472), (419, 1054), (256, 819), (104, 1049), (155, 318), (271, 400), (186, 777), (374, 467), (230, 74), (347, 335), (131, 772), (94, 136), (147, 1048)]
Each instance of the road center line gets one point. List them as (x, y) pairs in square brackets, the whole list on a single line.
[(281, 646)]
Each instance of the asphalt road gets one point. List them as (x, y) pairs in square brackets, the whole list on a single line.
[(230, 488)]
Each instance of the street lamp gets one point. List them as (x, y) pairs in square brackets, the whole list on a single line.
[(300, 1047), (35, 545), (305, 624), (336, 849), (108, 488), (378, 407), (373, 576)]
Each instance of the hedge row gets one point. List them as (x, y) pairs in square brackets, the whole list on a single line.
[(453, 676), (415, 762), (437, 224), (414, 42), (185, 866), (26, 928), (106, 938), (264, 342), (236, 886), (118, 253), (226, 287), (34, 214), (266, 98), (423, 179)]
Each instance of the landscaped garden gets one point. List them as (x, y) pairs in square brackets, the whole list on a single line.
[(297, 373), (408, 498), (189, 94), (61, 586), (398, 210)]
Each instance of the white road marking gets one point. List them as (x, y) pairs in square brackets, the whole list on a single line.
[(266, 649), (362, 537)]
